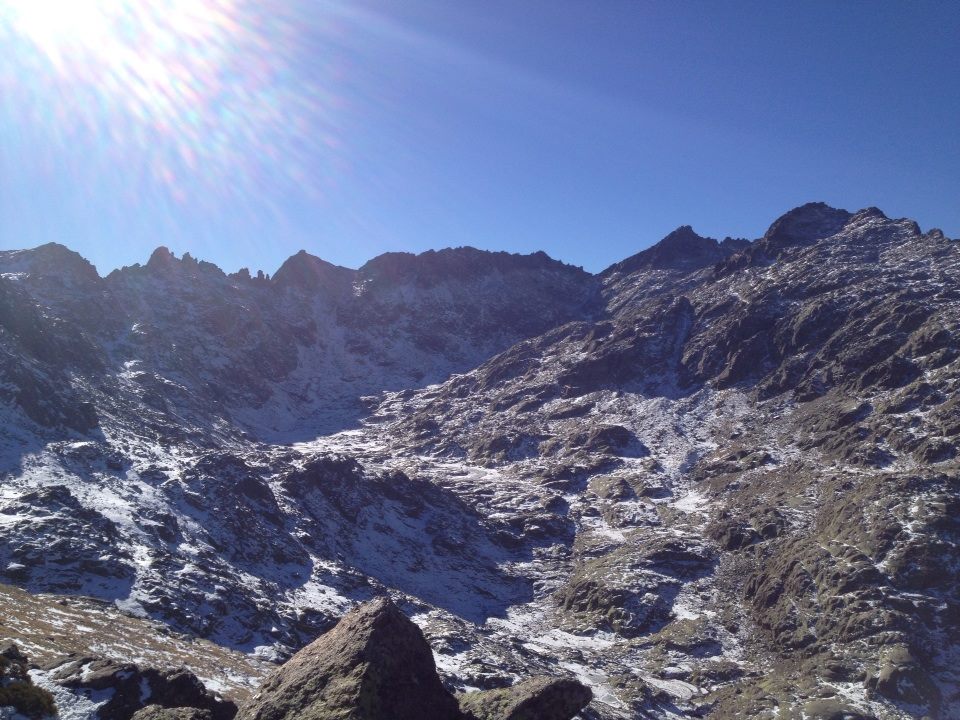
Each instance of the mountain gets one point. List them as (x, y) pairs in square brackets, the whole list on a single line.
[(716, 479)]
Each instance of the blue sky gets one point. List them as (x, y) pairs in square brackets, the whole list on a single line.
[(585, 129)]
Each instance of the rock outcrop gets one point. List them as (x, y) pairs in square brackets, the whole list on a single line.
[(17, 691), (158, 712), (537, 698), (131, 688), (375, 664)]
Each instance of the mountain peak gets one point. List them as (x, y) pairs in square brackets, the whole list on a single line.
[(462, 263), (870, 212), (163, 260), (805, 224), (310, 272), (51, 259), (685, 238), (161, 256), (682, 249)]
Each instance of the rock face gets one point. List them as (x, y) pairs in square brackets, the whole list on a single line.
[(681, 250), (158, 712), (717, 477), (375, 664), (131, 688), (17, 691), (539, 698)]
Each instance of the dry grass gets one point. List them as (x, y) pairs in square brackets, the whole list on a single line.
[(47, 626)]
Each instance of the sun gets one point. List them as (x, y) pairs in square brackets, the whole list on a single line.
[(147, 66), (192, 99), (117, 31), (61, 28), (153, 79)]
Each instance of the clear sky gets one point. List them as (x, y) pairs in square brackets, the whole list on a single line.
[(243, 131)]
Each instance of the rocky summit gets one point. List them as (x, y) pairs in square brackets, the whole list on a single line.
[(718, 479)]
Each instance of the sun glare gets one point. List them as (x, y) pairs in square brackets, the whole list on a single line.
[(57, 26), (195, 88), (117, 31)]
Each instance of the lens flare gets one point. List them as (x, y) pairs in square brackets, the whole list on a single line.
[(54, 25), (198, 98)]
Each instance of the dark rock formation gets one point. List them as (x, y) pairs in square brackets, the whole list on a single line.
[(375, 664), (804, 225), (133, 687), (158, 712), (310, 273), (682, 249), (537, 698), (17, 690)]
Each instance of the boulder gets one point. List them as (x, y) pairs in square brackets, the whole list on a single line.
[(902, 678), (17, 690), (10, 651), (158, 712), (833, 709), (134, 687), (537, 698), (374, 665)]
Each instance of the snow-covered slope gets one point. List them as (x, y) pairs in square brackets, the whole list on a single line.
[(716, 478)]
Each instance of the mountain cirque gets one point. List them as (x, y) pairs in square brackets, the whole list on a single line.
[(718, 479)]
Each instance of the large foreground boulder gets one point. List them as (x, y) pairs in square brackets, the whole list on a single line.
[(538, 698), (377, 665), (374, 665)]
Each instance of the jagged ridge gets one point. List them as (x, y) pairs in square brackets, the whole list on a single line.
[(712, 459)]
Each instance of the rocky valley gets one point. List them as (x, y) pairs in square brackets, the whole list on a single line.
[(718, 479)]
